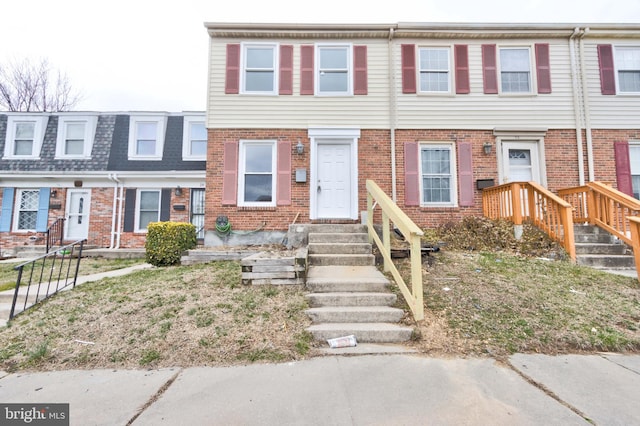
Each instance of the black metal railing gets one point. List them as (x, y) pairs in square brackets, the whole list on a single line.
[(45, 276), (55, 234)]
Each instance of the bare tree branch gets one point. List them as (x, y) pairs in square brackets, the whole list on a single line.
[(29, 86)]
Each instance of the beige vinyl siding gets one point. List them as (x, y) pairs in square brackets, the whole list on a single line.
[(480, 111), (620, 111), (297, 111)]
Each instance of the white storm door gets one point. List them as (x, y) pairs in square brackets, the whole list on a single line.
[(78, 208), (520, 162), (333, 186)]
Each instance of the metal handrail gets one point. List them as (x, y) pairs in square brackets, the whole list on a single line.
[(55, 233)]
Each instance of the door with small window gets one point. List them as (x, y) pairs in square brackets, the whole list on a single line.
[(520, 162), (78, 209), (197, 211)]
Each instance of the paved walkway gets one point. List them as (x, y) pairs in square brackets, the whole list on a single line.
[(351, 390)]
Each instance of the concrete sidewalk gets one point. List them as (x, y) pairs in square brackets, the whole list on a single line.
[(353, 390)]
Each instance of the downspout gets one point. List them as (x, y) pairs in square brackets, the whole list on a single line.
[(120, 207), (587, 115), (113, 178), (392, 115), (576, 104)]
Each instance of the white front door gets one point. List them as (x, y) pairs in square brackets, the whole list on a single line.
[(520, 162), (78, 208), (333, 181)]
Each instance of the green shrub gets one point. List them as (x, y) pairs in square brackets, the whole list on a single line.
[(166, 241)]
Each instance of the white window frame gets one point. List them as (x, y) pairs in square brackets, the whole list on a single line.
[(17, 211), (243, 75), (40, 124), (161, 125), (241, 173), (89, 122), (532, 70), (449, 71), (349, 70), (453, 189), (634, 144), (138, 199), (187, 139), (617, 67)]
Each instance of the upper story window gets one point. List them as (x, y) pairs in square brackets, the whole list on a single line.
[(333, 70), (437, 171), (627, 63), (146, 137), (259, 74), (194, 139), (434, 70), (515, 70), (256, 174), (75, 136), (24, 136)]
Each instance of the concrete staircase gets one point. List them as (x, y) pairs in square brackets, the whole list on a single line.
[(598, 249), (348, 293)]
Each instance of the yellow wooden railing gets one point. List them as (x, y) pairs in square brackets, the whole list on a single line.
[(392, 213), (529, 201), (599, 204)]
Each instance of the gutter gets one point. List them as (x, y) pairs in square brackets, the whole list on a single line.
[(587, 115), (393, 115), (576, 104)]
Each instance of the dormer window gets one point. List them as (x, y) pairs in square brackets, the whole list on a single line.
[(75, 136), (194, 139), (24, 137), (146, 137)]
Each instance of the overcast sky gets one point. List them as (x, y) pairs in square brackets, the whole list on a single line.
[(151, 55)]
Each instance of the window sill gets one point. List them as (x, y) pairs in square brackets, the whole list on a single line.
[(257, 208)]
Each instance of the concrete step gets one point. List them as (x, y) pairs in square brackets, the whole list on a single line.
[(332, 279), (598, 238), (606, 261), (336, 237), (342, 228), (364, 332), (192, 257), (350, 314), (581, 229), (351, 299), (341, 260), (369, 349), (339, 248), (600, 248)]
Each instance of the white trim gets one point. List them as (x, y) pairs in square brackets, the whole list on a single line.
[(243, 68), (316, 72), (86, 207), (241, 172), (89, 121), (186, 137), (16, 209), (40, 124), (539, 143), (449, 90), (453, 172), (161, 124), (318, 135), (616, 69), (533, 89), (136, 226)]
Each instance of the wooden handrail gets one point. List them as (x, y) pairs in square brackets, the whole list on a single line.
[(412, 233), (520, 201)]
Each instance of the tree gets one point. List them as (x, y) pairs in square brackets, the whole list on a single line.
[(35, 86)]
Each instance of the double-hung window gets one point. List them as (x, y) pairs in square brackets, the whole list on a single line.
[(334, 68), (148, 208), (259, 74), (27, 209), (194, 139), (627, 62), (75, 136), (257, 175), (515, 70), (146, 137), (434, 70), (437, 171), (634, 160), (24, 136)]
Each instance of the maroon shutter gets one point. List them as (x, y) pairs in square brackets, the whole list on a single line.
[(360, 70), (465, 174), (230, 173), (306, 70), (543, 68), (607, 72), (461, 58), (232, 82), (283, 190), (623, 167), (411, 174), (408, 68), (489, 69), (286, 70)]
